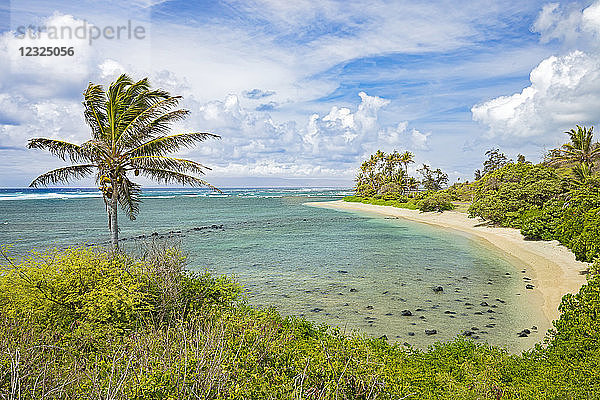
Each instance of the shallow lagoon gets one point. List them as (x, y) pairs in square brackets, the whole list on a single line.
[(356, 271)]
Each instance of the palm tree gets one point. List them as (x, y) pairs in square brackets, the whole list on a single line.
[(580, 150), (130, 125), (406, 158)]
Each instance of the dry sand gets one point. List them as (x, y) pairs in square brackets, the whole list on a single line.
[(555, 270)]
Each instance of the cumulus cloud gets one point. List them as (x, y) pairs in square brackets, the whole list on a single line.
[(42, 97), (257, 93), (327, 144), (569, 24), (270, 106), (564, 90)]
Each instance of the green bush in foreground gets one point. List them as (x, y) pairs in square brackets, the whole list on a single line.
[(227, 350), (80, 290)]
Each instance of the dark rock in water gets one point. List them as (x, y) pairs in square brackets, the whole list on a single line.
[(526, 278), (386, 292), (369, 307), (467, 333), (523, 271), (340, 293), (522, 334), (316, 309), (490, 326), (413, 323), (483, 304), (346, 304), (507, 274), (419, 309), (527, 331), (478, 313), (341, 271), (411, 334), (529, 286), (430, 331), (406, 344), (438, 289), (483, 332), (388, 314), (474, 328), (422, 317), (353, 290), (490, 311), (500, 301), (534, 328), (449, 312), (405, 313), (154, 233), (384, 337), (468, 304), (370, 318), (494, 306)]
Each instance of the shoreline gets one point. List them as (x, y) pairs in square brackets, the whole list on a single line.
[(555, 270)]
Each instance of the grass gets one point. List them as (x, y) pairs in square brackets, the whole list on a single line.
[(381, 202)]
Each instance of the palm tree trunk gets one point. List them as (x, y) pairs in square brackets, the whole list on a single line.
[(114, 227)]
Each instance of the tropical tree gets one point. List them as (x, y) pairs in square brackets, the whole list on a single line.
[(496, 160), (407, 158), (433, 179), (130, 134), (581, 149), (382, 169)]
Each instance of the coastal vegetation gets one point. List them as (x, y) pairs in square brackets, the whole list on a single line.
[(130, 126), (383, 180), (87, 323)]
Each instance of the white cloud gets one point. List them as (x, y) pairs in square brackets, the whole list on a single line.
[(564, 91)]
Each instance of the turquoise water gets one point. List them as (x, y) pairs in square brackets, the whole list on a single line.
[(355, 271)]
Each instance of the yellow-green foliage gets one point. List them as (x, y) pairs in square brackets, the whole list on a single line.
[(75, 287), (232, 351), (83, 289), (409, 203), (436, 201)]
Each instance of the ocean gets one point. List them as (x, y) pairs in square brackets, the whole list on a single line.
[(359, 272)]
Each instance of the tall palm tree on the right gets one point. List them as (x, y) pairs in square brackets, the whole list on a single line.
[(581, 149)]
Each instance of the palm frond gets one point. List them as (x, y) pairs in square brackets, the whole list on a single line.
[(63, 175), (129, 197), (139, 116), (165, 144), (61, 149), (170, 163), (159, 127), (168, 176), (95, 110)]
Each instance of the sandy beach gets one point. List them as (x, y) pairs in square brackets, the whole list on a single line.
[(555, 271)]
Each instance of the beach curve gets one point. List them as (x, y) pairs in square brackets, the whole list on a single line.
[(556, 272)]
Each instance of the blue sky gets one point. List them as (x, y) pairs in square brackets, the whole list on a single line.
[(302, 91)]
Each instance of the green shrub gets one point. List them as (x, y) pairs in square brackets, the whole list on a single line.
[(503, 196), (436, 201), (542, 224), (241, 352), (365, 190), (82, 290)]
